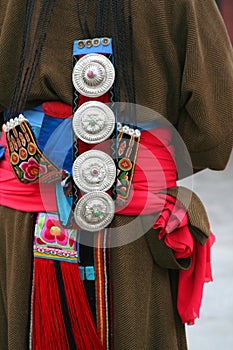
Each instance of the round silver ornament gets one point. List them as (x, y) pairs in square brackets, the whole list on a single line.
[(94, 171), (93, 122), (94, 211), (93, 75)]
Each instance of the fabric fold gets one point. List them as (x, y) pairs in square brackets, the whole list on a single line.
[(173, 227)]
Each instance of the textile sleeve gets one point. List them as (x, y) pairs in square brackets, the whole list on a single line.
[(206, 103), (162, 254)]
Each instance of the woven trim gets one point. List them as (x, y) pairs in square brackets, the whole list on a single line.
[(103, 304)]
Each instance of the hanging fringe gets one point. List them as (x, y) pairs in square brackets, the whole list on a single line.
[(83, 325), (50, 329)]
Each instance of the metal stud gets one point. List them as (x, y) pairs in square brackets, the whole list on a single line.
[(105, 41), (81, 44), (88, 43), (96, 42)]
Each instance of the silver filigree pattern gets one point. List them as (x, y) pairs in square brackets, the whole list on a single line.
[(93, 75), (94, 211), (93, 122), (94, 171)]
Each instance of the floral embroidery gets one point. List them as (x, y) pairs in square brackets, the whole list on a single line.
[(32, 169), (53, 241), (122, 182), (53, 232), (28, 162)]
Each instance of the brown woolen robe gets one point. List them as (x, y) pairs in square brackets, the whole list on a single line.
[(183, 70)]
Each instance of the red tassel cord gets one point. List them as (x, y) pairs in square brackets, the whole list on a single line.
[(49, 326), (83, 325)]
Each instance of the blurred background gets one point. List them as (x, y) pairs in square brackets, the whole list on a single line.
[(214, 329)]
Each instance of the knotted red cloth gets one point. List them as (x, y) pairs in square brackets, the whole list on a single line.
[(155, 172), (173, 226)]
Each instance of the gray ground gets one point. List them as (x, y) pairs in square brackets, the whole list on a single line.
[(214, 329)]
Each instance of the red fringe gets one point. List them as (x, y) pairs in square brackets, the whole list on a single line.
[(48, 327), (83, 325)]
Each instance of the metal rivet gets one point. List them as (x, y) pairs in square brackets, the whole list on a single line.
[(96, 42), (88, 43), (81, 44), (105, 41)]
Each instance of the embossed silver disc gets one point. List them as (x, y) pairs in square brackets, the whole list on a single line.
[(94, 211), (93, 122), (94, 171), (93, 75)]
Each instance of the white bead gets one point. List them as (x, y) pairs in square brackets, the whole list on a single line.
[(5, 128), (119, 126), (21, 118), (125, 129), (131, 132), (137, 133)]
